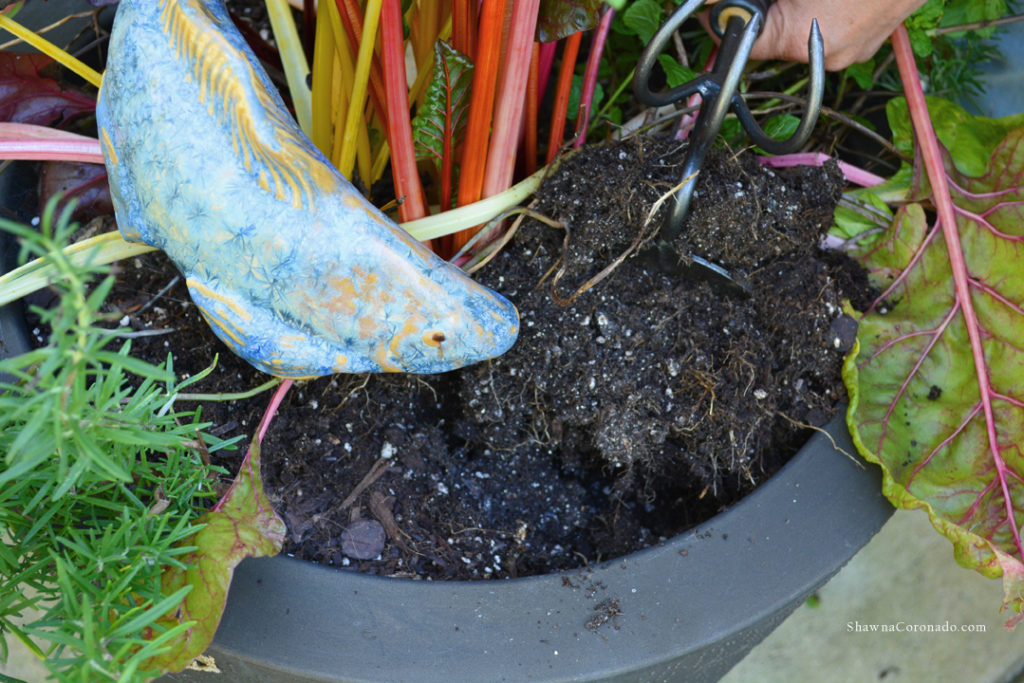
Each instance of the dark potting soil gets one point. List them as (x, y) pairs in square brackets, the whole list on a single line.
[(627, 412)]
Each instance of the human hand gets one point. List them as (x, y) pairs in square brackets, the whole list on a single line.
[(853, 31)]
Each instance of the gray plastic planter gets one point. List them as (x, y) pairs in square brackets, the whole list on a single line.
[(689, 609), (16, 190), (685, 611)]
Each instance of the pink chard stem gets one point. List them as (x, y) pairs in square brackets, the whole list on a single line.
[(509, 104), (590, 77), (929, 146), (275, 403), (547, 61), (246, 468), (399, 125), (40, 143), (854, 174)]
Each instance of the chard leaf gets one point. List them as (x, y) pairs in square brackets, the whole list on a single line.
[(85, 183), (781, 126), (27, 96), (643, 18), (558, 19), (576, 92), (969, 139), (937, 379), (242, 524), (439, 123), (863, 73), (862, 212), (675, 73)]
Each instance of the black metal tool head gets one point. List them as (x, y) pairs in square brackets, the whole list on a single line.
[(738, 23), (665, 257)]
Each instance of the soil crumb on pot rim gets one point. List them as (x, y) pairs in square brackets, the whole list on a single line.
[(640, 409)]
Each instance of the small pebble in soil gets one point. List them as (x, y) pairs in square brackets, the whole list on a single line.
[(363, 539)]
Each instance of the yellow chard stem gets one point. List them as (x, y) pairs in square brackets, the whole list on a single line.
[(33, 276), (296, 69), (51, 50), (380, 161), (358, 100), (343, 55), (470, 215), (323, 76)]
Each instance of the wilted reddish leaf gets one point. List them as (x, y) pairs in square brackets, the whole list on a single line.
[(84, 183), (27, 96), (243, 524), (561, 18)]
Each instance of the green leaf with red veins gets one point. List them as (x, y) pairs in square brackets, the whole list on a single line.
[(242, 524), (969, 139), (441, 121), (948, 441)]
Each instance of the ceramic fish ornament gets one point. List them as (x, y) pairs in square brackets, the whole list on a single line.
[(293, 269)]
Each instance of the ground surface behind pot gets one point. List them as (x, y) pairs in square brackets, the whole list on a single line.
[(687, 610)]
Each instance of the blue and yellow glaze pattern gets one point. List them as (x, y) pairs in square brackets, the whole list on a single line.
[(293, 269)]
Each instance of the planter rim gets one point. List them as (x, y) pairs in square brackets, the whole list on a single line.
[(701, 599)]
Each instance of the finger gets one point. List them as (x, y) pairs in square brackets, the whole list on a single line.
[(776, 39)]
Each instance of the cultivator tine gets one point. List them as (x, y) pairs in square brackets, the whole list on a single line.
[(738, 23)]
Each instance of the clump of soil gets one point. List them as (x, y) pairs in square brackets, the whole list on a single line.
[(624, 414), (667, 382)]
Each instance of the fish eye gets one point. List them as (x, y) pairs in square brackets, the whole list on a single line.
[(434, 338)]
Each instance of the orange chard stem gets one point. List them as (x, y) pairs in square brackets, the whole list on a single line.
[(463, 27), (508, 109), (399, 127), (481, 108), (569, 53)]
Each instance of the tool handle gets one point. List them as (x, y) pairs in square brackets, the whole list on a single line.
[(746, 10)]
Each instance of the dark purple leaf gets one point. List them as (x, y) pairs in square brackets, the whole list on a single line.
[(85, 183), (29, 96)]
